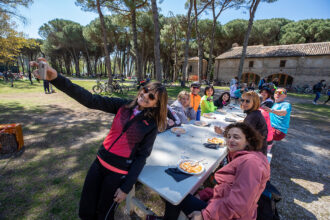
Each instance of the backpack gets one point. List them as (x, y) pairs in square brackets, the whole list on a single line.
[(267, 203)]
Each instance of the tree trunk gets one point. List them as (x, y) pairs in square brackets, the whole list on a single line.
[(138, 66), (175, 69), (253, 9), (209, 68), (76, 62), (200, 46), (105, 43), (186, 50), (156, 40), (22, 62)]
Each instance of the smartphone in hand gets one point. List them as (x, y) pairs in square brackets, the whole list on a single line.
[(42, 69)]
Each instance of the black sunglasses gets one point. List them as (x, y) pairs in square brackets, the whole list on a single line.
[(147, 90), (245, 100), (195, 87)]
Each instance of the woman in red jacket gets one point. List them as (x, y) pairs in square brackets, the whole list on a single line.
[(239, 183), (124, 151)]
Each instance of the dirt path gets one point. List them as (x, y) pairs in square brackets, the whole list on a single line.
[(299, 168)]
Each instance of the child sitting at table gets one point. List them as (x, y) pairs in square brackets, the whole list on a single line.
[(182, 107), (223, 100), (207, 104), (239, 184)]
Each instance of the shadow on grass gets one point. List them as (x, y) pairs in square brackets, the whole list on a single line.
[(46, 181)]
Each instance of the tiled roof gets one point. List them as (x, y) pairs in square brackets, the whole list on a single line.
[(292, 50), (195, 59)]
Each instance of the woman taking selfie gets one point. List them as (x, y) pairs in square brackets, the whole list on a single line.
[(239, 183), (123, 153)]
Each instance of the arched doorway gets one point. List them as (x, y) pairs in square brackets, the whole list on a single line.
[(284, 79), (250, 77)]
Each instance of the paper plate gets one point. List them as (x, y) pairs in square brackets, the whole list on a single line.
[(184, 166), (209, 115), (178, 130), (230, 120), (216, 140), (201, 123)]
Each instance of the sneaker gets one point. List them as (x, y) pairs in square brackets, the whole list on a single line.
[(314, 103)]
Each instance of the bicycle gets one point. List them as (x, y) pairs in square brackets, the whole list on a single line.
[(122, 89), (100, 87)]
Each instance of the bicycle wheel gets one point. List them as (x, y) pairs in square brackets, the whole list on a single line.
[(109, 88), (97, 89)]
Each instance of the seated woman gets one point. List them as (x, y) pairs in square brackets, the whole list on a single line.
[(266, 94), (223, 100), (239, 183), (182, 108), (250, 103), (207, 104)]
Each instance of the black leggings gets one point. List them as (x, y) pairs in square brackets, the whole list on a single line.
[(188, 205), (98, 192)]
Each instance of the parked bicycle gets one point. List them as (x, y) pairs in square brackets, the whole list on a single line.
[(102, 87), (119, 88)]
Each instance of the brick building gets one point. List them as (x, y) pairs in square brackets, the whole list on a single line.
[(292, 64)]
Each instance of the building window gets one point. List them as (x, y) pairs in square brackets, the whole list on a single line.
[(282, 63), (251, 64), (190, 69)]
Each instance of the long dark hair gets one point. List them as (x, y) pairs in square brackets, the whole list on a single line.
[(220, 98), (253, 137), (207, 88), (158, 113)]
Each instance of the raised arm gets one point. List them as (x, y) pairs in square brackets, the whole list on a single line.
[(78, 93)]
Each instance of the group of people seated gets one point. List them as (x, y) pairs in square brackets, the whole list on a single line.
[(123, 153), (240, 183)]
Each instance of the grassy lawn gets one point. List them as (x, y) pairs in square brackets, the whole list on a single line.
[(308, 96)]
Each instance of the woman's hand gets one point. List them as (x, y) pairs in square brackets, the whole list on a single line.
[(50, 73), (218, 130), (119, 196), (266, 108), (196, 215)]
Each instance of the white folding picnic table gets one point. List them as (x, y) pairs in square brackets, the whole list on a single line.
[(169, 149)]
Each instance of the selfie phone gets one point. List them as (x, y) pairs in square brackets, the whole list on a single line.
[(42, 69)]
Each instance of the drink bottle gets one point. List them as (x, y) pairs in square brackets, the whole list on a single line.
[(198, 114)]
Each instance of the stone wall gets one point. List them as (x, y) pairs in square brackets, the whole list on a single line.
[(193, 64), (304, 70)]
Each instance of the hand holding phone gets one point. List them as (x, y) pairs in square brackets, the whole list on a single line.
[(42, 69)]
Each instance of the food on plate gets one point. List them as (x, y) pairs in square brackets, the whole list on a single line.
[(209, 115), (191, 167), (201, 123), (178, 130), (215, 140)]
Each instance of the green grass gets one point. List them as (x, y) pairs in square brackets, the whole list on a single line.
[(307, 96), (313, 112)]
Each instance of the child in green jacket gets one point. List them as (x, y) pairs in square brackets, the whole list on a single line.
[(207, 104)]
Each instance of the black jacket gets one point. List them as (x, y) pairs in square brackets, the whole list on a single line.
[(138, 139), (256, 120)]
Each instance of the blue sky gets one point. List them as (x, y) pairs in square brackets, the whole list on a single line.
[(42, 11)]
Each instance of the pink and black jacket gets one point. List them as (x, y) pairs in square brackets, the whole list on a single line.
[(126, 148)]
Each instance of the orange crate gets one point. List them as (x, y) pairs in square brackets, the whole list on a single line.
[(15, 129)]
